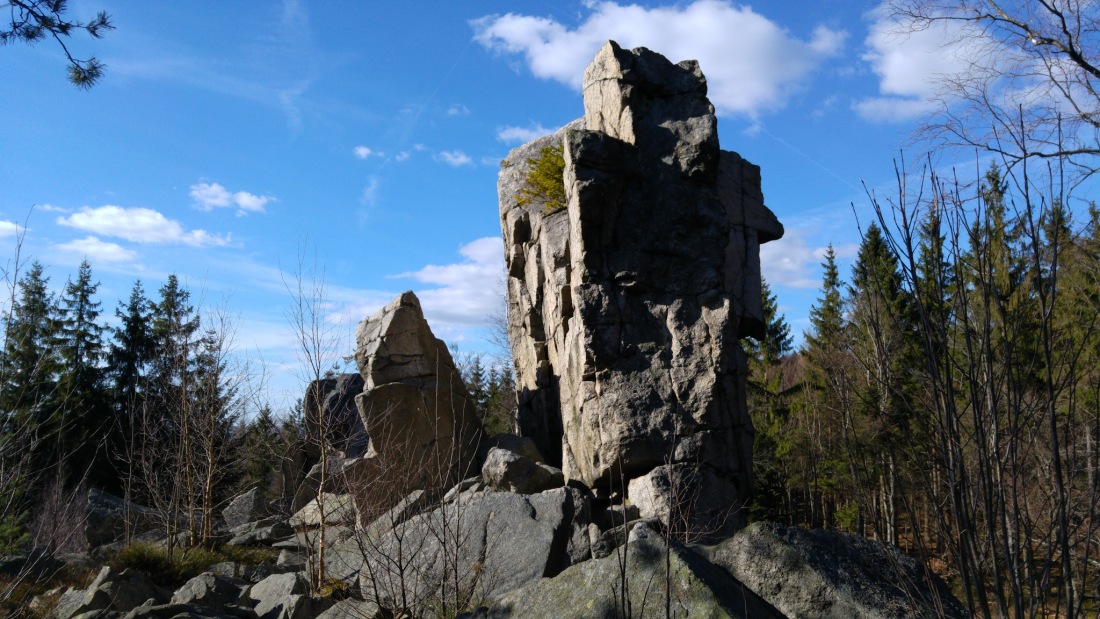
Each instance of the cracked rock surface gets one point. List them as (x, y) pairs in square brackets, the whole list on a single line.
[(626, 308)]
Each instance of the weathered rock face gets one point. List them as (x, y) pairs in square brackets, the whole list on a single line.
[(625, 308), (344, 429), (485, 543), (832, 575), (423, 427)]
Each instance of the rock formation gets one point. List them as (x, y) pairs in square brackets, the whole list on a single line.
[(626, 307), (344, 431), (423, 427)]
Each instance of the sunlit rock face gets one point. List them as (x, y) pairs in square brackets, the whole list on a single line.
[(626, 308)]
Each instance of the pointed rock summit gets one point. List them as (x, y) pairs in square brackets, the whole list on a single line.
[(422, 423), (626, 307)]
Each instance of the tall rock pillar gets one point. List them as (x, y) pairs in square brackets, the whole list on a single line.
[(626, 307)]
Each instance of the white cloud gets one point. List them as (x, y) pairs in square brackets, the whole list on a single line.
[(522, 135), (208, 196), (250, 202), (363, 152), (792, 261), (454, 158), (466, 293), (98, 251), (139, 225), (751, 63), (458, 110), (9, 228), (50, 208), (913, 62), (401, 156)]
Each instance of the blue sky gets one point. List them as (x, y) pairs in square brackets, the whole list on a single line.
[(227, 136)]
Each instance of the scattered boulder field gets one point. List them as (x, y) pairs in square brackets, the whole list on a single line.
[(624, 490)]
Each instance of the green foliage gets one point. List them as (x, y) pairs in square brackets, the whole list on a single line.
[(545, 182)]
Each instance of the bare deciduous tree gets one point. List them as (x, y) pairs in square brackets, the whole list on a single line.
[(1029, 87)]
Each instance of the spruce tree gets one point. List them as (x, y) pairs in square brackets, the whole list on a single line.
[(31, 361), (81, 399), (132, 349)]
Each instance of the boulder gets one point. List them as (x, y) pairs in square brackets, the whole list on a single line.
[(209, 590), (246, 507), (184, 611), (626, 307), (112, 590), (106, 516), (521, 445), (674, 493), (279, 594), (260, 533), (511, 472), (495, 540), (344, 430), (423, 425), (338, 509), (341, 475), (634, 582), (832, 575)]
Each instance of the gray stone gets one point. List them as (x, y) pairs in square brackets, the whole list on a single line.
[(183, 611), (674, 495), (350, 609), (625, 309), (634, 582), (337, 509), (509, 471), (209, 590), (112, 590), (521, 445), (423, 425), (278, 593), (262, 535), (497, 541), (344, 430), (341, 474), (832, 575), (106, 516), (244, 508)]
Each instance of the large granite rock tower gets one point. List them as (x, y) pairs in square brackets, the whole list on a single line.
[(626, 307)]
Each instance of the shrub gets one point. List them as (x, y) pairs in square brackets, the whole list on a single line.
[(545, 180)]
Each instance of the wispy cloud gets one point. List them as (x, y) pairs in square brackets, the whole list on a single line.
[(209, 196), (369, 197), (458, 110), (97, 251), (752, 64), (139, 225), (512, 135), (454, 158)]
